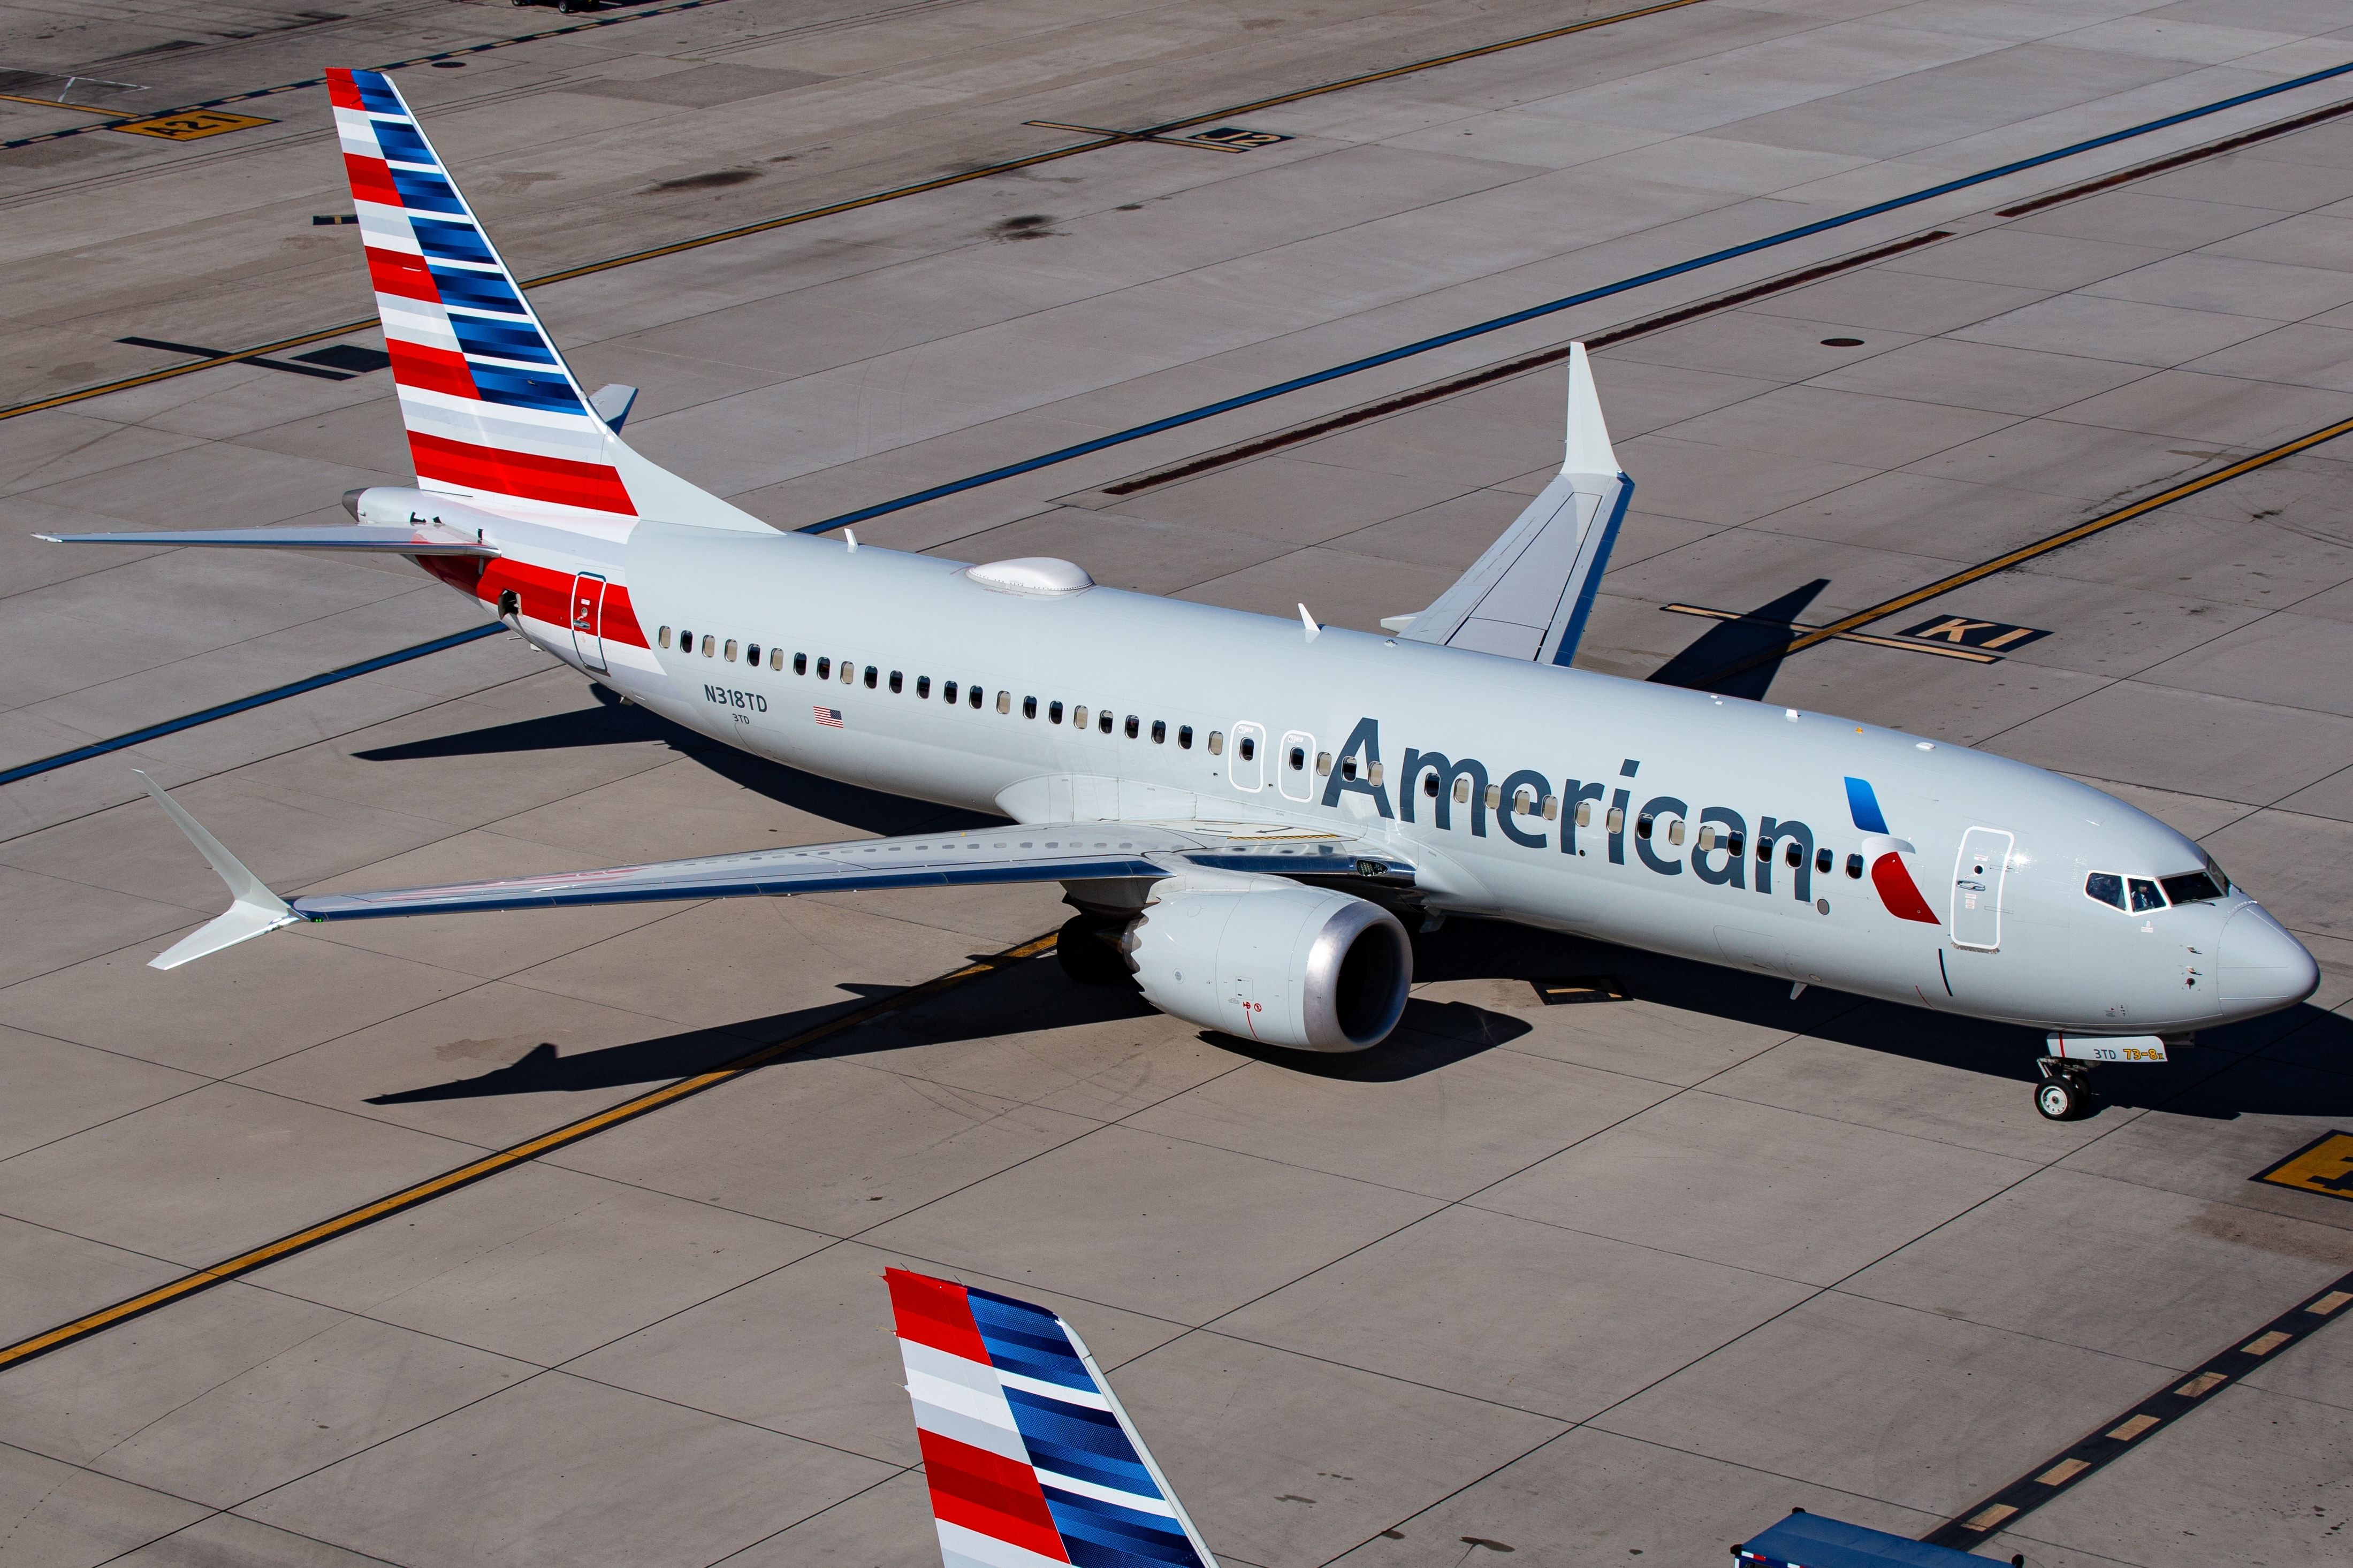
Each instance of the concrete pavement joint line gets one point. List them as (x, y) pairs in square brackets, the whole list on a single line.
[(124, 116), (513, 1154), (809, 214), (246, 704), (2026, 553), (2117, 1436), (1550, 307), (1512, 367)]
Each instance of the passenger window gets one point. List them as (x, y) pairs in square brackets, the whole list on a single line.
[(1103, 720), (1462, 789), (1494, 797), (848, 672), (1643, 826), (752, 653), (1216, 742), (731, 651), (777, 659), (1131, 726), (1854, 867), (1028, 707), (1794, 855), (685, 641), (710, 645), (871, 676), (1584, 815), (1323, 764), (898, 681), (923, 686), (1429, 782), (661, 637), (2145, 896), (1675, 832), (1249, 749), (1616, 821), (1822, 860), (1079, 717), (1764, 849), (1184, 737), (824, 668), (2107, 887), (1734, 843), (1160, 732), (949, 693), (1004, 702), (1298, 758), (975, 696)]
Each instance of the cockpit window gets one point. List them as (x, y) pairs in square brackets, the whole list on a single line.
[(2107, 887), (2191, 887), (2145, 896)]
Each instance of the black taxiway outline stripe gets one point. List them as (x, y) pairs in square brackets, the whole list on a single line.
[(2159, 165), (504, 1159), (127, 117), (2026, 553), (245, 704), (1552, 306), (832, 209), (2120, 1435)]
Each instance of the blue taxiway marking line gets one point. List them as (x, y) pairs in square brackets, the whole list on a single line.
[(1243, 400), (244, 704)]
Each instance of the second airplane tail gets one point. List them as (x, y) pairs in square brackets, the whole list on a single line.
[(494, 415)]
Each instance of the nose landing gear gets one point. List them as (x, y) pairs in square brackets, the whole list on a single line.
[(2065, 1092)]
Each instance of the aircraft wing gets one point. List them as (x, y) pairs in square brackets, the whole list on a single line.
[(1052, 852), (417, 539), (1529, 595), (1028, 1455)]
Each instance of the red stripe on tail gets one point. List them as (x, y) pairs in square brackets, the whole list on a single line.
[(370, 181), (935, 1312), (990, 1495), (342, 91), (561, 480), (429, 369), (397, 272)]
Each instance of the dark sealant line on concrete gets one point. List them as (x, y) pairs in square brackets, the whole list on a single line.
[(1534, 313), (1520, 366), (127, 116), (831, 209), (1982, 1520), (245, 704)]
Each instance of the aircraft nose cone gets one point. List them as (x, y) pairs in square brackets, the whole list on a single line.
[(2262, 964)]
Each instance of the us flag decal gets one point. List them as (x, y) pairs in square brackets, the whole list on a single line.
[(829, 717)]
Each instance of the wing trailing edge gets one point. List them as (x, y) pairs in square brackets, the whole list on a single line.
[(420, 539), (1529, 597)]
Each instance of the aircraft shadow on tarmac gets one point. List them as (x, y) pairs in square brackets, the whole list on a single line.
[(1728, 642), (2298, 1062)]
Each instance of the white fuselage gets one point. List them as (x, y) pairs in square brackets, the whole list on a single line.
[(2016, 940)]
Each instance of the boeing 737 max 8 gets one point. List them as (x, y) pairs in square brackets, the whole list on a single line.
[(1239, 808)]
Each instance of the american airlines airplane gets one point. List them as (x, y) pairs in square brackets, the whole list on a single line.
[(1239, 808)]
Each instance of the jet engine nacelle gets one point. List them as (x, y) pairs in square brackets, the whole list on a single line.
[(1271, 961)]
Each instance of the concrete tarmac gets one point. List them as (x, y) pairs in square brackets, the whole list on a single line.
[(1582, 1282)]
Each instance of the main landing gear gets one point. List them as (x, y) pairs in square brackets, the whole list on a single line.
[(1087, 955), (2065, 1092)]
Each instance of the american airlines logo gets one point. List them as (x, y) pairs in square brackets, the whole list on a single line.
[(1525, 808)]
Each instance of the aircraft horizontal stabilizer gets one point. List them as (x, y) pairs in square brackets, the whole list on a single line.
[(417, 539), (1529, 595), (255, 910)]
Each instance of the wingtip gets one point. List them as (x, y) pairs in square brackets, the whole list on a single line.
[(1589, 448)]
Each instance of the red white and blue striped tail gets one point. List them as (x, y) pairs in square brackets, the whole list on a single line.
[(1029, 1456), (494, 414)]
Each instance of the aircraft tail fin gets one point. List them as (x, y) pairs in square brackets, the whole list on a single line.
[(1531, 594), (494, 415), (1030, 1458)]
